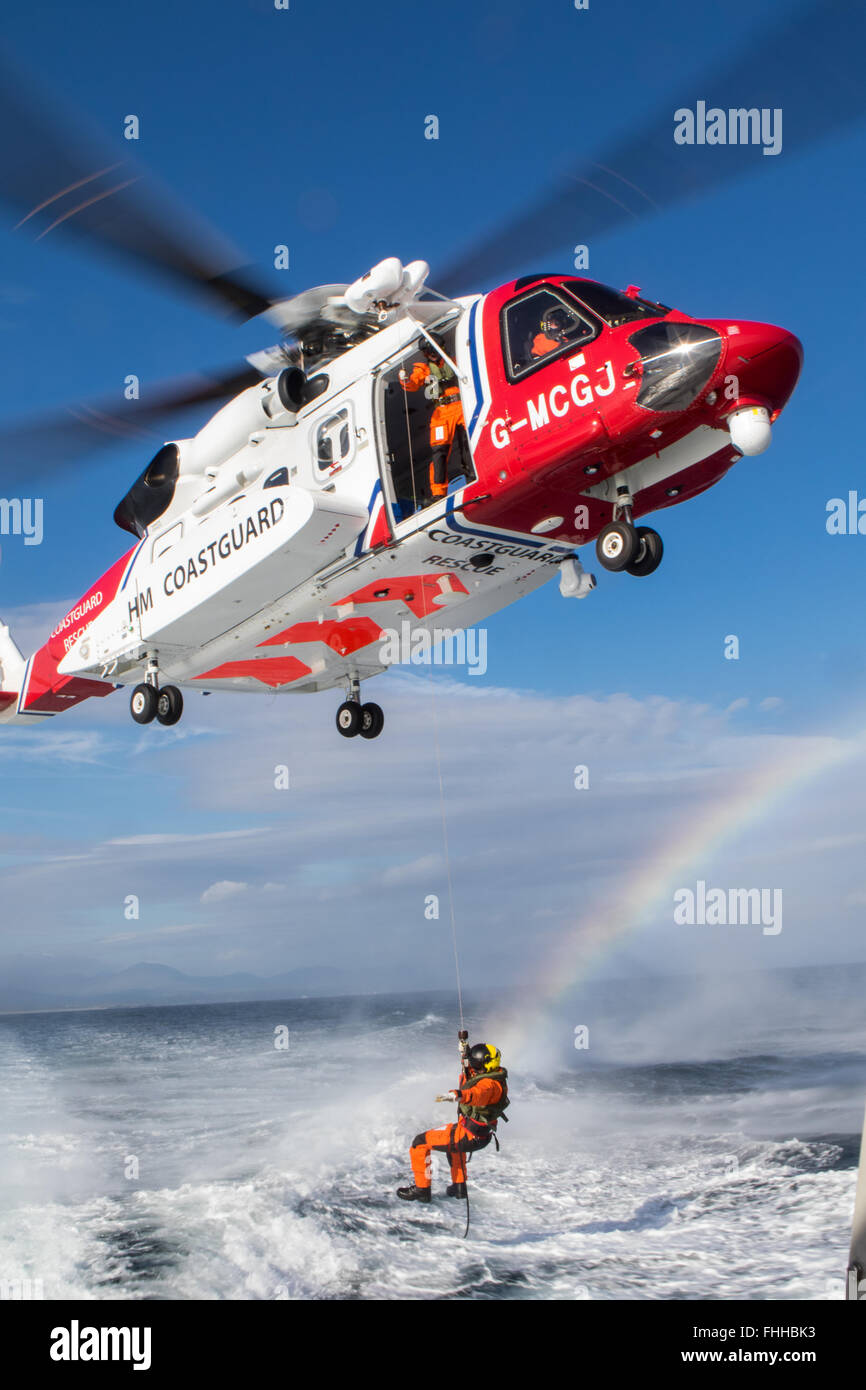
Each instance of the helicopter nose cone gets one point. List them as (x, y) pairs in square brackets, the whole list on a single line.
[(764, 360)]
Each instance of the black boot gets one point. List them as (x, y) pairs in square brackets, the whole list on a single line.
[(456, 1189), (414, 1194)]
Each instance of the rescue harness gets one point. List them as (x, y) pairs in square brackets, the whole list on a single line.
[(481, 1120)]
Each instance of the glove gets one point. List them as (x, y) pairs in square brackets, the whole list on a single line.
[(453, 1095), (403, 374)]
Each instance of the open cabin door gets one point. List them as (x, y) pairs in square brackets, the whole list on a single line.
[(406, 423)]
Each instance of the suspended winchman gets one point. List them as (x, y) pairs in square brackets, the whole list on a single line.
[(482, 1098)]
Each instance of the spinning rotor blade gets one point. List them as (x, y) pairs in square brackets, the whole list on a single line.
[(61, 183), (810, 65), (46, 444)]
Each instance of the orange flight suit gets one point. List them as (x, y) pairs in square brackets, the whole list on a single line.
[(541, 345), (446, 419), (458, 1139)]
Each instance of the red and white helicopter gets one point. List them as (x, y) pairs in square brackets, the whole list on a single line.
[(279, 547)]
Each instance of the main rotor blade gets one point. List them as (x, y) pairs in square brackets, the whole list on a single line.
[(809, 66), (60, 182), (34, 448)]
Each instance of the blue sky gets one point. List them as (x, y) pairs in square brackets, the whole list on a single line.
[(306, 127)]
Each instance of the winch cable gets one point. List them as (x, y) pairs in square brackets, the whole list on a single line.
[(463, 1035), (438, 758), (446, 850), (442, 812)]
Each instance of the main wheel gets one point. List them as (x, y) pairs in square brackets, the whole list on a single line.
[(349, 718), (142, 704), (649, 554), (372, 721), (617, 545), (169, 705)]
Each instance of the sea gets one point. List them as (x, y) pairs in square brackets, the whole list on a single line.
[(667, 1139)]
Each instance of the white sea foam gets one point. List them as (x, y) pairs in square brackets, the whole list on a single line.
[(269, 1175)]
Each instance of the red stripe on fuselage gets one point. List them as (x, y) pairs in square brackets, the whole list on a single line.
[(49, 693)]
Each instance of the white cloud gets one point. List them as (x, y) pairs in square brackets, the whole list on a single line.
[(157, 934), (339, 865), (832, 842), (415, 871), (219, 892), (52, 743), (181, 839)]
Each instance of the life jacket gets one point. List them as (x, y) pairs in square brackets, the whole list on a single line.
[(443, 382), (487, 1114)]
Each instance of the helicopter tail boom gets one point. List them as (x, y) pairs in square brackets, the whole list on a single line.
[(33, 688)]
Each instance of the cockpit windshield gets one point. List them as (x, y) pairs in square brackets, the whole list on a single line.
[(677, 361), (613, 306)]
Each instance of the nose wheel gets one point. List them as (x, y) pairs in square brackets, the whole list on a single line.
[(617, 545), (636, 549), (649, 553)]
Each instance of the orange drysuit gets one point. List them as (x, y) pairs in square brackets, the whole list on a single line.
[(458, 1139), (541, 345), (446, 419)]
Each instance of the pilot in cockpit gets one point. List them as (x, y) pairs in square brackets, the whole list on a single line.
[(554, 328)]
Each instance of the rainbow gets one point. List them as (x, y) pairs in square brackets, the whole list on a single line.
[(583, 947)]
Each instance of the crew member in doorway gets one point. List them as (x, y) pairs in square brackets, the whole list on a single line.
[(553, 331), (482, 1098), (434, 373)]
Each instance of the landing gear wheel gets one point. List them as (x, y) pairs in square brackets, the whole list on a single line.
[(349, 718), (372, 721), (142, 704), (617, 545), (649, 554), (169, 705)]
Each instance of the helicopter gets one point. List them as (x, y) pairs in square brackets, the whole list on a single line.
[(277, 548), (280, 547)]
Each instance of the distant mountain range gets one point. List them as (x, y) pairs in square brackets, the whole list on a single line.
[(32, 987)]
